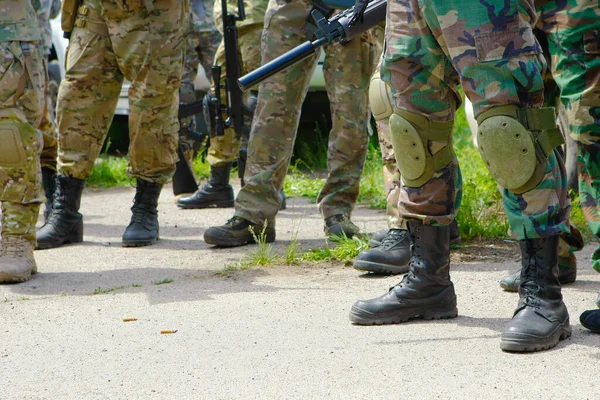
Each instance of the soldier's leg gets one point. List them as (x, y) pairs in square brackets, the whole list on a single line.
[(273, 128), (153, 102), (48, 157), (87, 99), (20, 172), (224, 150), (390, 255), (536, 200), (573, 35), (421, 140), (347, 71), (571, 241)]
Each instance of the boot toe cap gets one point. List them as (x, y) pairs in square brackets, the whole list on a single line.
[(590, 319)]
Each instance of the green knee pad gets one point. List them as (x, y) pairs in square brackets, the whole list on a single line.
[(422, 147), (515, 144), (380, 98)]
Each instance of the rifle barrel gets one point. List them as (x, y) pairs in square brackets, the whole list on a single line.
[(293, 56)]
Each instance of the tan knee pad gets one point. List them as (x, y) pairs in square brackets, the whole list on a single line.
[(422, 147), (380, 98), (515, 144)]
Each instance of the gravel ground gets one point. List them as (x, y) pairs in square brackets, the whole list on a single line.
[(273, 332)]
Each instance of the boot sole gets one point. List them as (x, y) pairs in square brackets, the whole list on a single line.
[(514, 289), (530, 343), (59, 243), (212, 204), (441, 311), (378, 268), (10, 278), (235, 242), (139, 243)]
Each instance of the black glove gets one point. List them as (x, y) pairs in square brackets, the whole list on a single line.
[(359, 11)]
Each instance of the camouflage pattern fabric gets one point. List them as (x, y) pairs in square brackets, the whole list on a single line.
[(347, 70), (225, 149), (433, 48), (201, 44), (202, 16), (391, 173), (48, 10), (255, 13), (111, 41), (573, 31), (48, 128), (21, 105)]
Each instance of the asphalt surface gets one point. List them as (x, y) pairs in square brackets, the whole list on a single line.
[(277, 332)]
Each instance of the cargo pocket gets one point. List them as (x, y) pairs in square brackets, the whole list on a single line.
[(512, 42)]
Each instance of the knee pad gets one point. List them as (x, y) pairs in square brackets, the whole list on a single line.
[(422, 147), (380, 98), (21, 143), (515, 144)]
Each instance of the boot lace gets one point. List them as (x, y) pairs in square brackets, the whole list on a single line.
[(12, 247), (141, 214), (530, 284), (393, 237)]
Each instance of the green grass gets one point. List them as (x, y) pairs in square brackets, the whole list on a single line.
[(341, 249), (263, 254), (162, 281), (100, 290), (110, 171)]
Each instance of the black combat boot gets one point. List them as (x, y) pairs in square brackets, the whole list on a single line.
[(541, 318), (569, 243), (390, 257), (239, 232), (454, 235), (64, 223), (49, 184), (426, 291), (143, 228), (216, 193)]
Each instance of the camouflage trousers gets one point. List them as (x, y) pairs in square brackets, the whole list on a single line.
[(347, 70), (225, 149), (200, 51), (50, 151), (572, 28), (113, 41), (21, 106), (431, 49)]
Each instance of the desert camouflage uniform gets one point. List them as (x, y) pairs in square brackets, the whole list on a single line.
[(21, 106), (424, 72), (201, 45), (573, 31), (111, 41), (49, 9), (225, 149), (347, 70)]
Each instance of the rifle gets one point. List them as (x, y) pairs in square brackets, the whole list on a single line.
[(231, 113), (329, 30), (212, 106), (184, 180)]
